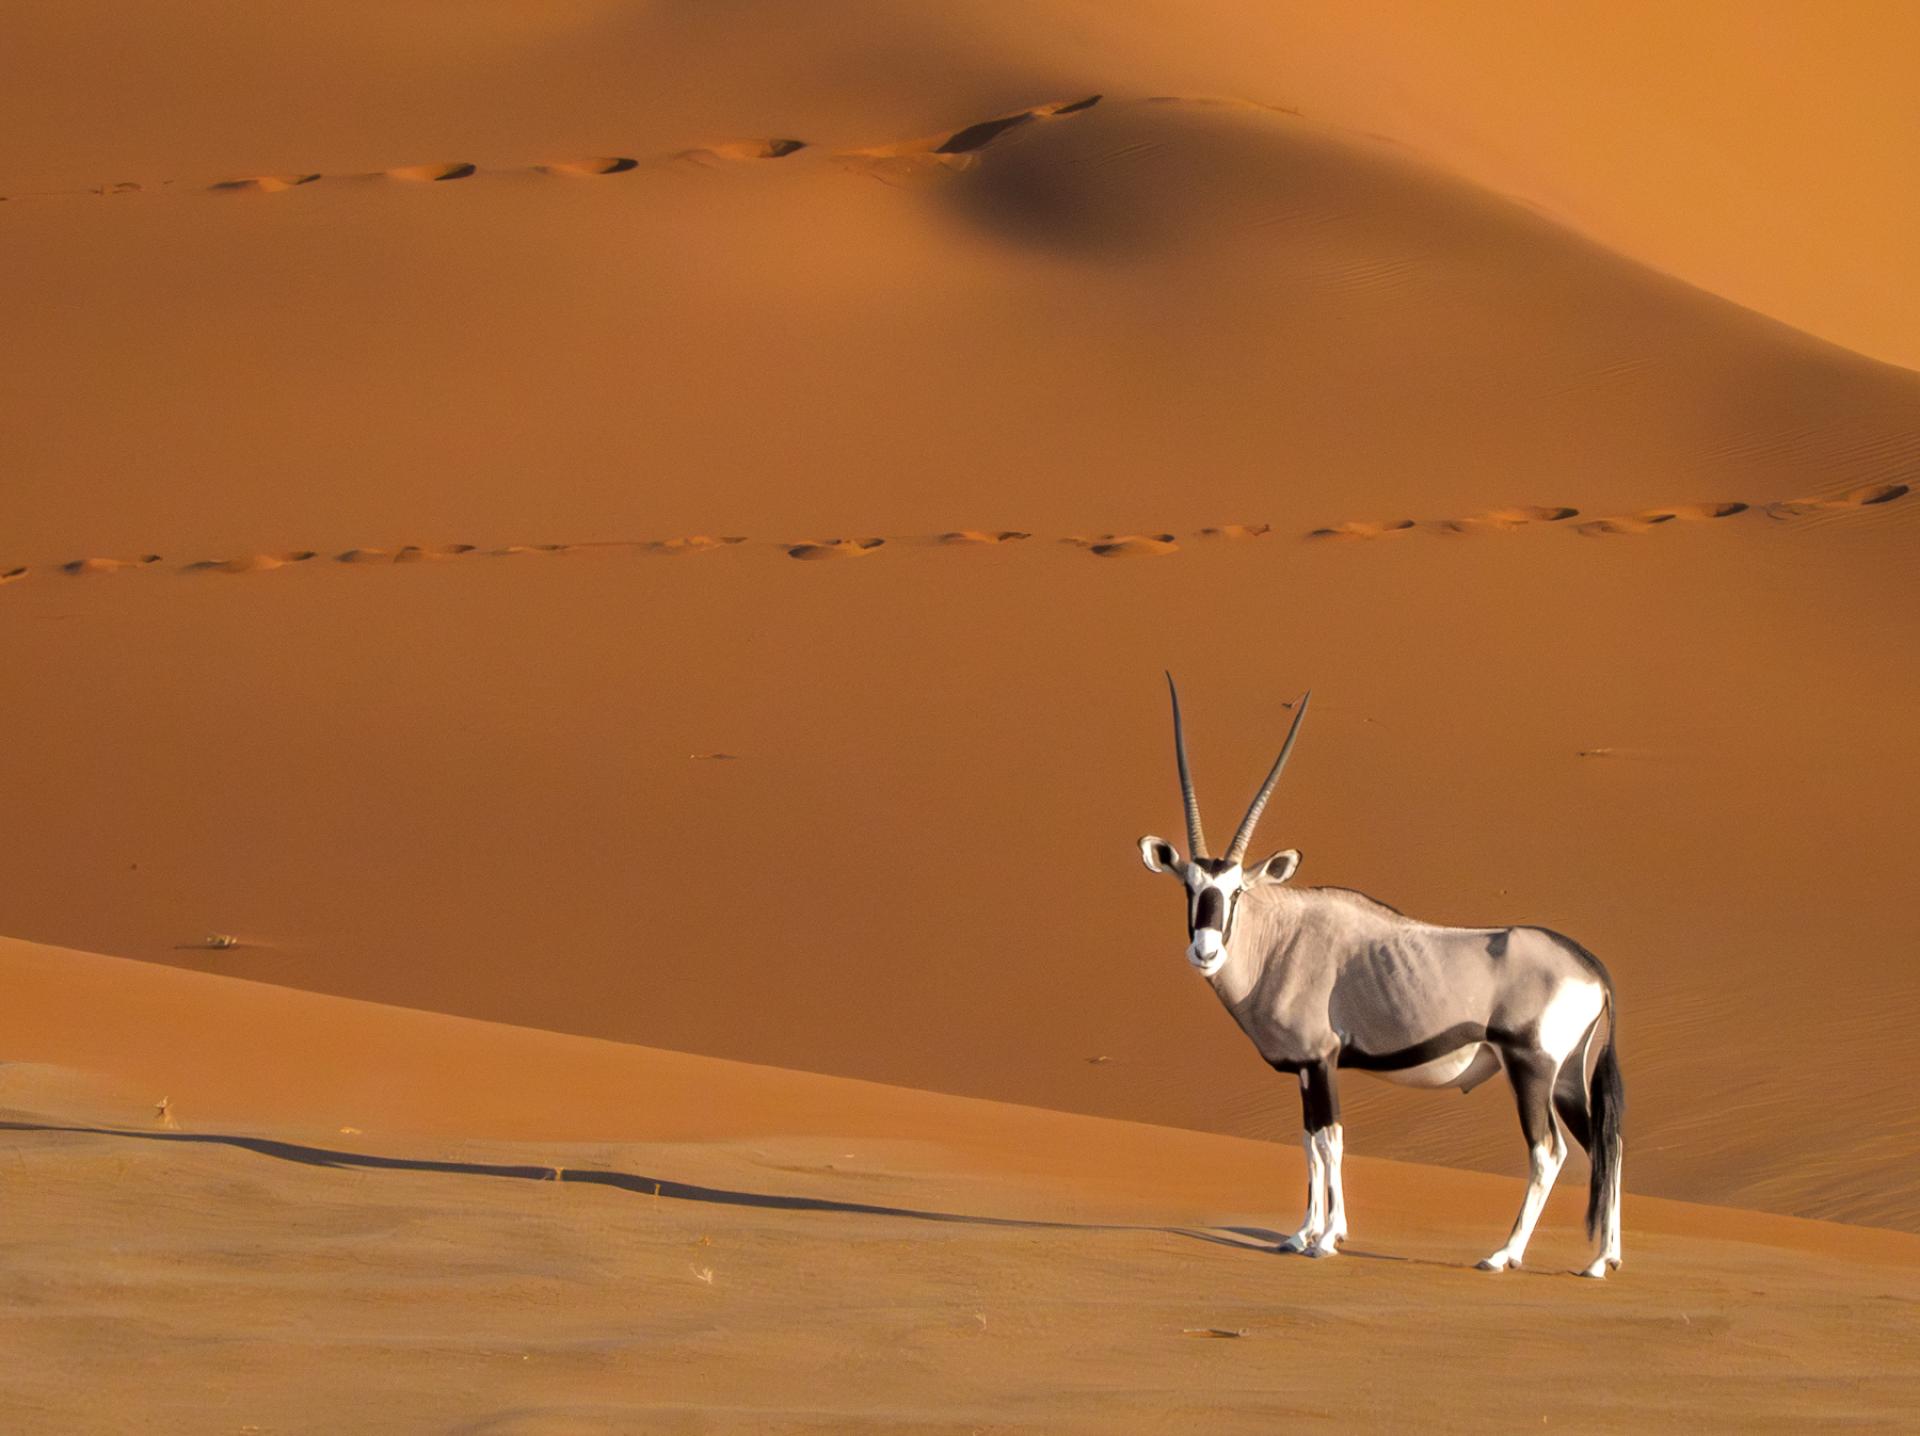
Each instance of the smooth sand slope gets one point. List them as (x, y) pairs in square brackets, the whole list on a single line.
[(1759, 149), (1276, 403), (426, 1223)]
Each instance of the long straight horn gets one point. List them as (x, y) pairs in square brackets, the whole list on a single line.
[(1196, 839), (1238, 850)]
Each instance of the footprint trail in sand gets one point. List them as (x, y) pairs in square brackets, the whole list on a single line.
[(1107, 545)]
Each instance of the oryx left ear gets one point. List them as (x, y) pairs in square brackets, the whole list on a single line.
[(1159, 856), (1276, 869)]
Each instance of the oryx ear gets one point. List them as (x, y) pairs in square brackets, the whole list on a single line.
[(1159, 856), (1276, 869)]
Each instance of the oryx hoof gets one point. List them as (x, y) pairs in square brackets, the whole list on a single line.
[(1601, 1266), (1499, 1261), (1328, 1245), (1297, 1243)]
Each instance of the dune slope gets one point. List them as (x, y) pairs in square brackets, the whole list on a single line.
[(340, 510), (891, 1260)]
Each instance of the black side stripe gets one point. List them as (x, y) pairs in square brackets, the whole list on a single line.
[(1452, 1040)]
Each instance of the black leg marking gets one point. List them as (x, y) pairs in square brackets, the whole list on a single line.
[(1532, 1076), (1319, 1096), (1570, 1101)]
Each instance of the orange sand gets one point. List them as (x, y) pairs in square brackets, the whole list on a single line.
[(1524, 381), (356, 1217)]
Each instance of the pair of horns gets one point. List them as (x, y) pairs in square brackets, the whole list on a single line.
[(1196, 839)]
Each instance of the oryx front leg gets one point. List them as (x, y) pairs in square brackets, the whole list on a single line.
[(1325, 1225), (1532, 1075)]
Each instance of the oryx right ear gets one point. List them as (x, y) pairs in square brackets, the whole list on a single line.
[(1159, 856), (1276, 869)]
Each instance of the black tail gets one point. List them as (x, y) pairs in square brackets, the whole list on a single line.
[(1606, 1103)]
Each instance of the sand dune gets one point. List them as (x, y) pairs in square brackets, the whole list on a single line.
[(1361, 295), (1498, 378), (581, 992), (589, 1237)]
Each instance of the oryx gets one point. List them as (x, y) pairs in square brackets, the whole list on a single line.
[(1325, 978)]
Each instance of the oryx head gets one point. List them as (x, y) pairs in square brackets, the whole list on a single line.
[(1216, 885)]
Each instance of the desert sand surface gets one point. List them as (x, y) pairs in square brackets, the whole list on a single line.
[(659, 526), (429, 1223), (690, 562)]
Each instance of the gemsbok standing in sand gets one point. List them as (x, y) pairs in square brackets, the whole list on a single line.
[(1325, 978)]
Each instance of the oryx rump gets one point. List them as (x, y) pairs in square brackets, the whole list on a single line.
[(1325, 978)]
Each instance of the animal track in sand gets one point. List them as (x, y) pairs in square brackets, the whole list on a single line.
[(251, 563), (1868, 496), (834, 548), (1359, 529), (953, 149), (960, 538), (979, 136), (741, 150), (1492, 521), (82, 566), (265, 184), (1125, 545), (693, 543), (598, 165), (1652, 518), (432, 174), (1112, 545), (1646, 520)]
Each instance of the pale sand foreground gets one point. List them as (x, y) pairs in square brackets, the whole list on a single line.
[(896, 1261)]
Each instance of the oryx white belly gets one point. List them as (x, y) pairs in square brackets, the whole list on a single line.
[(1462, 1067)]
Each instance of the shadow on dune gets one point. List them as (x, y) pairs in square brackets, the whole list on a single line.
[(1249, 1239)]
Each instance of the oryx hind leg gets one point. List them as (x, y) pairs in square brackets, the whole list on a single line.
[(1570, 1099), (1533, 1074)]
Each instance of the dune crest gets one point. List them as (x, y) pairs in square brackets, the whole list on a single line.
[(953, 151)]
